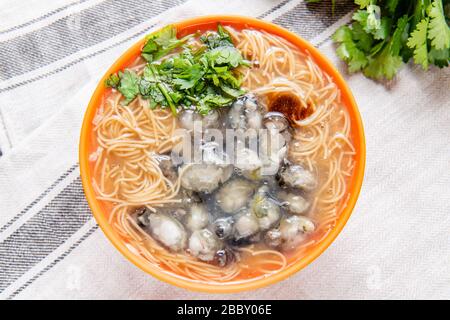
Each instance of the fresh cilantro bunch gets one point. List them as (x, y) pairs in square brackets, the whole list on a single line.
[(385, 34), (180, 74)]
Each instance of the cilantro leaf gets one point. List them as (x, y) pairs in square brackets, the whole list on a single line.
[(232, 92), (224, 55), (440, 58), (384, 29), (148, 87), (161, 43), (398, 38), (355, 58), (212, 100), (348, 50), (112, 81), (151, 92), (438, 30), (221, 38), (189, 77), (372, 22), (343, 34), (363, 40), (418, 42), (129, 85), (392, 5), (384, 65)]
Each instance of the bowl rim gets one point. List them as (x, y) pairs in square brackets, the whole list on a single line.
[(358, 132)]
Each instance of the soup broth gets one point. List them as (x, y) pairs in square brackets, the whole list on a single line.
[(222, 220)]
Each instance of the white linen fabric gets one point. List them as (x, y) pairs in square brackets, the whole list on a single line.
[(52, 54)]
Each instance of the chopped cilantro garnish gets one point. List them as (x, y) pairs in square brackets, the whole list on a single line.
[(129, 85), (221, 38), (112, 81), (161, 43), (180, 75)]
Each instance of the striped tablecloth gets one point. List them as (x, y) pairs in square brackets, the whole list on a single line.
[(52, 54)]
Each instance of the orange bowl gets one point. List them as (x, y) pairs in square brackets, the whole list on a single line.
[(186, 27)]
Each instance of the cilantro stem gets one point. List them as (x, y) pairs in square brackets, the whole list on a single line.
[(163, 90), (190, 98)]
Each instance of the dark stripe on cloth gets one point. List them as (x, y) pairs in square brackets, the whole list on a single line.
[(39, 198), (3, 123), (278, 6), (45, 16), (73, 33), (310, 19), (55, 262), (76, 61), (43, 233)]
